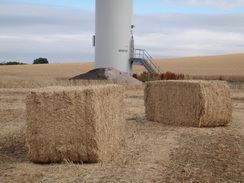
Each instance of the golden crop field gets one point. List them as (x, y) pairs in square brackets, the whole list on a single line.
[(43, 71), (152, 152), (206, 65), (230, 67), (227, 66)]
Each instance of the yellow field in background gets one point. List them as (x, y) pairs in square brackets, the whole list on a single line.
[(206, 65), (51, 71), (225, 65)]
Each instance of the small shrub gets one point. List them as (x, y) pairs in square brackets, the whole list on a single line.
[(135, 76), (146, 76), (221, 78)]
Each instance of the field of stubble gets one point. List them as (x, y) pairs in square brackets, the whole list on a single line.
[(153, 152)]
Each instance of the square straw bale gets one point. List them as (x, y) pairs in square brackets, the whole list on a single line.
[(189, 103), (74, 123)]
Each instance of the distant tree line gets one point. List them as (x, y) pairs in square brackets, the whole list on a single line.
[(36, 61), (12, 63)]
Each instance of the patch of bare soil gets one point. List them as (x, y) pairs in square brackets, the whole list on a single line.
[(109, 74), (152, 153)]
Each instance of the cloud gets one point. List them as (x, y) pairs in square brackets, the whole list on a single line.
[(62, 34), (182, 35), (169, 22), (41, 30), (216, 4), (23, 16), (191, 42)]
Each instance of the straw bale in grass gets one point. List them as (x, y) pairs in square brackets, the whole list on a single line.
[(74, 123), (189, 103)]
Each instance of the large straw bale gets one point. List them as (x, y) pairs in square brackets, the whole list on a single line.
[(74, 123), (189, 103)]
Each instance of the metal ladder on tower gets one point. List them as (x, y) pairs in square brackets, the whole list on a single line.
[(142, 57)]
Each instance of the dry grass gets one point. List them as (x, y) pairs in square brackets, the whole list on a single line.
[(231, 78), (207, 162), (152, 152)]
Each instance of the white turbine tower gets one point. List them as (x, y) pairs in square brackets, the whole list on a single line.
[(113, 39)]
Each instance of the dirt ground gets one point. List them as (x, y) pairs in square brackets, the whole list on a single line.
[(153, 152)]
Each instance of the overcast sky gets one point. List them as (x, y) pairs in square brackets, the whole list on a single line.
[(61, 30)]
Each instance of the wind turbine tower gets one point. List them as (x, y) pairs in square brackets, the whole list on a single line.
[(113, 38)]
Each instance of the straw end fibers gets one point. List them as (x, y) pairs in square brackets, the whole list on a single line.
[(189, 103), (74, 123)]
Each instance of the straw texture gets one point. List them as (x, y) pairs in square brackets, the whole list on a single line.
[(74, 123), (189, 103)]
